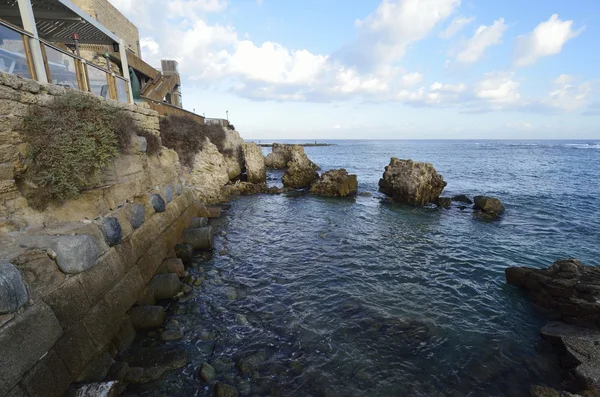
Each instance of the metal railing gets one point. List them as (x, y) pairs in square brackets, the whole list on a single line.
[(62, 68)]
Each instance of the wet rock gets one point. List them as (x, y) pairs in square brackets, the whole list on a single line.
[(100, 389), (443, 202), (186, 289), (198, 223), (13, 291), (185, 252), (249, 364), (158, 360), (244, 189), (255, 163), (207, 372), (491, 207), (365, 194), (200, 239), (136, 215), (225, 390), (567, 287), (240, 319), (411, 182), (335, 183), (244, 387), (231, 293), (134, 375), (147, 317), (461, 198), (165, 286), (111, 228), (173, 265), (118, 371), (158, 203), (363, 375), (171, 334)]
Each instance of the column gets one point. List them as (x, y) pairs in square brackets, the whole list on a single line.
[(34, 43)]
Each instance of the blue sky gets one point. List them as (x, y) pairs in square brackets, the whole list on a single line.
[(392, 69)]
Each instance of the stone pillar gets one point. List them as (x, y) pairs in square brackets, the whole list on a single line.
[(125, 67), (34, 42)]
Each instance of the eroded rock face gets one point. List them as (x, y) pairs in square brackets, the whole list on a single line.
[(279, 156), (301, 171), (411, 182), (335, 183), (254, 162), (209, 173), (567, 287)]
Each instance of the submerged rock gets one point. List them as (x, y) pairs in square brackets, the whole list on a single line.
[(491, 207), (249, 364), (444, 202), (411, 182), (567, 287), (461, 198), (335, 183), (225, 390), (147, 317), (207, 372)]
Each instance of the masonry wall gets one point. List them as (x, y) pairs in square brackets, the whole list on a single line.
[(66, 282)]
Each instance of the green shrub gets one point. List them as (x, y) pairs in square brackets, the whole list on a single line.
[(186, 137), (69, 142)]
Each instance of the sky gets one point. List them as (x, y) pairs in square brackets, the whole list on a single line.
[(383, 69)]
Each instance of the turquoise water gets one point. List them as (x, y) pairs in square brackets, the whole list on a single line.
[(356, 297)]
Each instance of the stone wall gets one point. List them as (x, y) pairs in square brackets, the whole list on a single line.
[(70, 274)]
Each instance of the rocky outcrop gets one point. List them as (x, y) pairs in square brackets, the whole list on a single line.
[(301, 171), (462, 198), (209, 173), (488, 207), (233, 167), (335, 183), (279, 156), (411, 182), (254, 162), (567, 288)]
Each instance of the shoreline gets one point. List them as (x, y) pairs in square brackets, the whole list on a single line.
[(298, 144)]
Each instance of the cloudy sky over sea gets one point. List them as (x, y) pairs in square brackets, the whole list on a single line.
[(325, 69)]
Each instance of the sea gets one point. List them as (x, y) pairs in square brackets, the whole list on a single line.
[(309, 296)]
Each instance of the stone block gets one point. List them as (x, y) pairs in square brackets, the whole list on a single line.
[(75, 254), (76, 349), (147, 317), (140, 144), (97, 281), (39, 272), (168, 193), (48, 378), (17, 391), (111, 228), (127, 253), (125, 336), (23, 341), (123, 295), (7, 172), (165, 286), (69, 302), (13, 292), (173, 265), (136, 215), (198, 223), (158, 203), (98, 368), (185, 252), (200, 239), (150, 263), (100, 324)]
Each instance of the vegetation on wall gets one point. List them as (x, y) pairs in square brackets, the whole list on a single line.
[(187, 137), (69, 142)]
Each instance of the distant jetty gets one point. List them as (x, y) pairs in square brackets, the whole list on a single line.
[(299, 144)]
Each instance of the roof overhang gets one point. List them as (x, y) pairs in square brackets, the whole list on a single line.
[(58, 20)]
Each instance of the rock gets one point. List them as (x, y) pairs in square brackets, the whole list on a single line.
[(254, 162), (461, 198), (171, 334), (278, 158), (443, 202), (365, 194), (178, 189), (207, 372), (147, 317), (244, 189), (233, 167), (214, 212), (157, 360), (301, 172), (411, 182), (168, 192), (173, 265), (111, 228), (185, 252), (251, 363), (136, 215), (140, 144), (209, 173), (100, 389), (225, 390), (240, 319), (134, 375), (13, 291), (157, 203), (197, 223), (567, 287), (490, 206), (201, 239), (118, 371), (75, 254), (335, 183), (165, 286)]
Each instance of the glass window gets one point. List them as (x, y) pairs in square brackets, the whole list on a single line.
[(122, 90), (13, 58), (62, 68), (98, 81)]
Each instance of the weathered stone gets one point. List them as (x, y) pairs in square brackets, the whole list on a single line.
[(24, 340), (249, 364), (136, 215), (199, 238), (444, 202), (207, 372), (197, 223), (488, 205), (76, 349), (168, 193), (254, 162), (111, 228), (158, 360), (301, 172), (100, 389), (75, 254), (13, 292), (214, 212), (158, 203), (97, 281), (225, 390), (185, 252), (171, 334), (165, 286), (140, 144), (461, 198), (411, 182), (17, 391), (134, 375), (147, 317), (173, 265), (125, 336), (47, 378), (335, 183), (97, 369), (118, 371), (209, 173), (178, 189), (70, 303)]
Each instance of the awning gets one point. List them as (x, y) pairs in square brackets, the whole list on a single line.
[(57, 20)]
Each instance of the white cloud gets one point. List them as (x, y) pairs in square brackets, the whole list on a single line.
[(149, 46), (484, 37), (547, 39), (567, 96), (456, 88), (498, 89), (564, 79), (411, 79), (455, 26)]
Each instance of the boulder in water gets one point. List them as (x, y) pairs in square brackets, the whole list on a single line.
[(444, 202), (462, 198), (301, 171), (255, 163), (489, 207), (335, 183), (411, 182), (225, 390)]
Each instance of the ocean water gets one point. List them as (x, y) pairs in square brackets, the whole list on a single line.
[(357, 297)]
